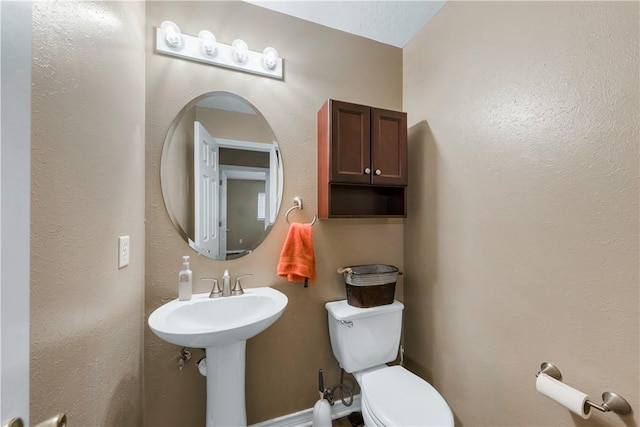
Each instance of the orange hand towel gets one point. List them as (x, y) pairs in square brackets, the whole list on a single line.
[(297, 259)]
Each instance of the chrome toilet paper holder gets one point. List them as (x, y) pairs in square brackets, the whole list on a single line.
[(611, 401)]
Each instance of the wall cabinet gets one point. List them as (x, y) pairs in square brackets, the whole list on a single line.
[(362, 161)]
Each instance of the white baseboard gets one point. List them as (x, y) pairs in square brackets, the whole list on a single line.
[(304, 418)]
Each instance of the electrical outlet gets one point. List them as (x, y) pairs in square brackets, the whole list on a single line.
[(123, 251)]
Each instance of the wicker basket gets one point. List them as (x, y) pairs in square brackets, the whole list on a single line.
[(370, 285)]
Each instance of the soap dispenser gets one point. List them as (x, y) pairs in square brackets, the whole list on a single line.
[(185, 280)]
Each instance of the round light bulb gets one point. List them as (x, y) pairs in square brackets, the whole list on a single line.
[(172, 33), (207, 42), (240, 51), (269, 58)]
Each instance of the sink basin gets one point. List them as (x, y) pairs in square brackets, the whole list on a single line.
[(205, 322)]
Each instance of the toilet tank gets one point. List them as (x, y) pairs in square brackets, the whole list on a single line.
[(362, 338)]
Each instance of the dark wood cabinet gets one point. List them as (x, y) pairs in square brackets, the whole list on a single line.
[(362, 161)]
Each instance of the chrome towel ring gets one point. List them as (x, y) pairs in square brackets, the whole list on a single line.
[(297, 204)]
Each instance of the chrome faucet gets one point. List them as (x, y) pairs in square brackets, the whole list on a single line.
[(226, 284), (226, 290), (216, 292), (237, 288)]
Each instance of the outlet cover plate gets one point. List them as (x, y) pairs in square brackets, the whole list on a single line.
[(123, 251)]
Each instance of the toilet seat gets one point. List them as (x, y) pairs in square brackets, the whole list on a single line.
[(368, 417), (393, 396)]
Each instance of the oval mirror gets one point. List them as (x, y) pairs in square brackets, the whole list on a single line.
[(221, 175)]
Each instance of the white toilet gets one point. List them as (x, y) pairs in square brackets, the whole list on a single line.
[(363, 341)]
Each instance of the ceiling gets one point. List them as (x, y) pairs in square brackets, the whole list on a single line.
[(386, 21)]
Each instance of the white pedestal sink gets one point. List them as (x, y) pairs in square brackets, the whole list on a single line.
[(221, 326)]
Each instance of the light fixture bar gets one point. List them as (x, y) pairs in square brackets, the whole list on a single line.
[(190, 48)]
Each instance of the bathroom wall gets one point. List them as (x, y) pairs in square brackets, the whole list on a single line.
[(87, 189), (521, 242), (320, 63)]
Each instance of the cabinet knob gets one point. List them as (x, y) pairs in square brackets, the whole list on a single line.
[(378, 171), (367, 171)]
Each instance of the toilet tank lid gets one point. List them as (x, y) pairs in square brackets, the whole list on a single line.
[(341, 310)]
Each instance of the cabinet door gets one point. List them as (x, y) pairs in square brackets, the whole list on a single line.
[(350, 148), (389, 147)]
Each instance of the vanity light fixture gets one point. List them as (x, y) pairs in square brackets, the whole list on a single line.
[(172, 35), (207, 42), (204, 48)]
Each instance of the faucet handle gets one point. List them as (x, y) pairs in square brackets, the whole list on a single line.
[(216, 292), (237, 288)]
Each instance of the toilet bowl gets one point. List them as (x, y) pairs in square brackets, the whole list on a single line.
[(394, 396), (363, 340)]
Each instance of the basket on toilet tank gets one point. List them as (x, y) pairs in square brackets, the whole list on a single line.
[(370, 285)]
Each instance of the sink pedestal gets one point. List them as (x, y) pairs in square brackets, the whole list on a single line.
[(222, 327), (225, 385)]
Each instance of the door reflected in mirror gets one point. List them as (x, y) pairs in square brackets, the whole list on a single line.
[(221, 175)]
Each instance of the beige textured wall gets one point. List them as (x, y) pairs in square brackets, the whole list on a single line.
[(521, 243), (282, 362), (87, 189)]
